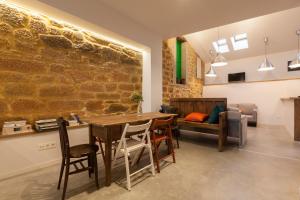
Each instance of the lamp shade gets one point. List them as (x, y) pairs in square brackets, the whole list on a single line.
[(296, 63), (211, 72), (266, 65), (219, 61)]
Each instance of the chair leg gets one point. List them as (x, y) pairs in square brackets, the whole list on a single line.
[(66, 178), (61, 172), (156, 157), (96, 170), (89, 166), (172, 149), (151, 159), (177, 140), (102, 151), (127, 171)]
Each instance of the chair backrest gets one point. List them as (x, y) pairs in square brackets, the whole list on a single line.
[(131, 130), (63, 136), (186, 106), (162, 123)]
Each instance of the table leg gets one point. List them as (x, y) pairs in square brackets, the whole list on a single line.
[(108, 156)]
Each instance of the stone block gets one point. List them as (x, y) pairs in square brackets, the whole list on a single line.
[(87, 95), (37, 27), (85, 47), (5, 29), (3, 106), (57, 91), (4, 44), (94, 105), (110, 96), (65, 105), (43, 79), (116, 108), (80, 76), (6, 77), (23, 66), (19, 89), (118, 76), (57, 68), (111, 87), (23, 36), (125, 59), (54, 31), (108, 54), (92, 87), (126, 87), (14, 17), (102, 78), (56, 41), (27, 106)]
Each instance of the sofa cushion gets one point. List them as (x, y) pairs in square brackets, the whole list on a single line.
[(196, 117), (247, 108)]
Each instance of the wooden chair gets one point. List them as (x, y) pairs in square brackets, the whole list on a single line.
[(161, 131), (82, 152), (129, 142)]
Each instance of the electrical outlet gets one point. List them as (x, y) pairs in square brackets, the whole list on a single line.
[(46, 146)]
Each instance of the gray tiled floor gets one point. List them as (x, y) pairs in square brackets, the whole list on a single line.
[(268, 168)]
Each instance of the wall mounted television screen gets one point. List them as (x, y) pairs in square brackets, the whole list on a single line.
[(237, 77)]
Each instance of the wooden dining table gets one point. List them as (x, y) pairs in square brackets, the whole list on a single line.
[(109, 128)]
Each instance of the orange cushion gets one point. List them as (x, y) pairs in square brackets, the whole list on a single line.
[(196, 117)]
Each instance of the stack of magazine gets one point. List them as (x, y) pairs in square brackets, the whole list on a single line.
[(46, 125), (15, 127)]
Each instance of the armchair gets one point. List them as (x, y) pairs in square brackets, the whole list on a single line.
[(247, 109)]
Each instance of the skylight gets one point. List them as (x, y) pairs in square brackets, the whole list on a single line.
[(239, 41), (221, 46)]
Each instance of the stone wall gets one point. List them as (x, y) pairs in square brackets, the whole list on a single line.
[(49, 69), (193, 86)]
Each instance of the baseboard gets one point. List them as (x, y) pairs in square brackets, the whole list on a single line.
[(29, 169)]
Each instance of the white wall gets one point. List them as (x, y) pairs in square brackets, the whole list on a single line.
[(266, 95), (250, 66), (21, 154)]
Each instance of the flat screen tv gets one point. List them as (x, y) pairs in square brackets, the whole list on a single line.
[(237, 77)]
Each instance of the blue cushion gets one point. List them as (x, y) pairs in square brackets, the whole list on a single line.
[(214, 115)]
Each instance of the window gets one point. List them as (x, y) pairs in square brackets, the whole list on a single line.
[(221, 46), (239, 41)]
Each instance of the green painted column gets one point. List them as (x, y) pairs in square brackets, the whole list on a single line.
[(178, 59)]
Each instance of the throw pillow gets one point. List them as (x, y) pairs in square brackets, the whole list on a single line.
[(214, 115), (196, 117)]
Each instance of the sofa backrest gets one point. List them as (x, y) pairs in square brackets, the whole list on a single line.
[(203, 105)]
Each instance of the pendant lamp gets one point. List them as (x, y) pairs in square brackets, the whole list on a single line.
[(296, 63), (266, 65)]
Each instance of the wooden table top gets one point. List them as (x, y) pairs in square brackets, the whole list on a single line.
[(110, 120)]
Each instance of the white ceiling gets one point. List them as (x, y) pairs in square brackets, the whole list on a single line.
[(280, 27), (171, 18)]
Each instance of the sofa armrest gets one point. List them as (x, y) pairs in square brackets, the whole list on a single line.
[(223, 119), (254, 114)]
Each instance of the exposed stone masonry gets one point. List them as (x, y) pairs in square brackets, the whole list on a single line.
[(48, 69), (193, 86)]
